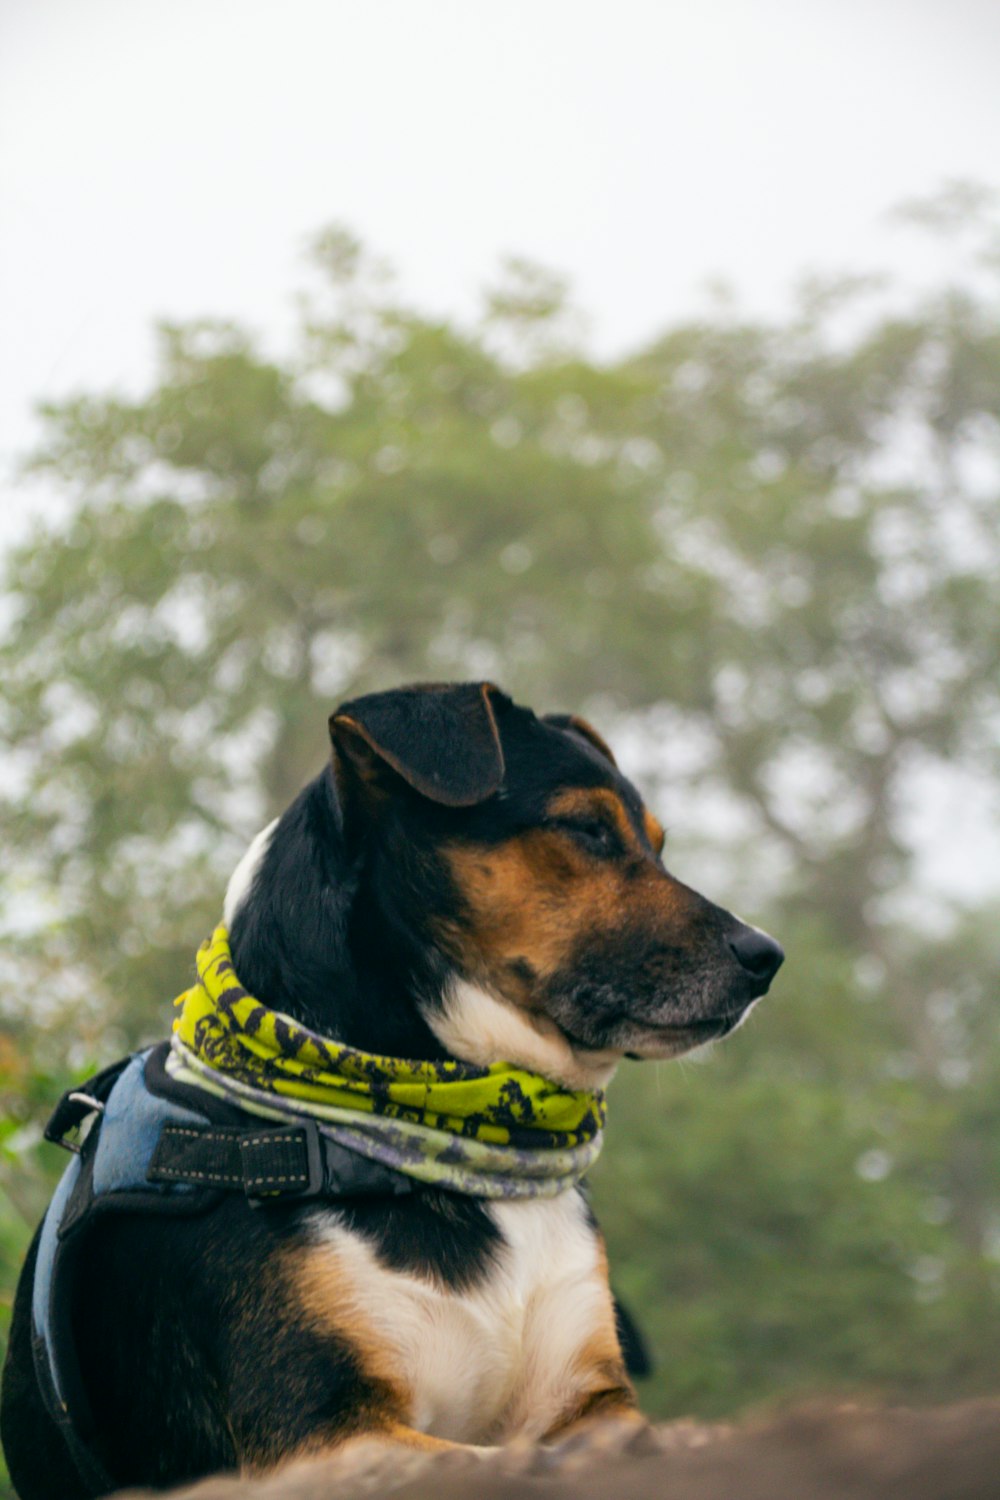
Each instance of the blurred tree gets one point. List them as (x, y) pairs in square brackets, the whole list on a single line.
[(785, 535), (769, 553)]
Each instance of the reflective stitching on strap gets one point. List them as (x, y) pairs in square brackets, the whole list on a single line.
[(235, 1145), (202, 1176)]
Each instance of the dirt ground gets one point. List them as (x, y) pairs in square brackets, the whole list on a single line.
[(820, 1452)]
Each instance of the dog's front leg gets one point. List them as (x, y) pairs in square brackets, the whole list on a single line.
[(385, 1452), (573, 1362), (614, 1405)]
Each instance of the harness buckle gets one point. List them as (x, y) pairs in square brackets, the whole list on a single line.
[(75, 1111), (77, 1096)]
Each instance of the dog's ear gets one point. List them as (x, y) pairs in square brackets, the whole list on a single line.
[(441, 738), (575, 725)]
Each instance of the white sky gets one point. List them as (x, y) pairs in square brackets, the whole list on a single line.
[(169, 157)]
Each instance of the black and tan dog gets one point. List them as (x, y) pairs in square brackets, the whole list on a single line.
[(466, 880)]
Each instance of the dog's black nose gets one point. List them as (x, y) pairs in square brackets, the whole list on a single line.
[(759, 954)]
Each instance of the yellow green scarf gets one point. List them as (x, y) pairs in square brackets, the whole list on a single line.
[(496, 1132)]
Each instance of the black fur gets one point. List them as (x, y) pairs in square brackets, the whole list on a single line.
[(323, 938), (441, 739)]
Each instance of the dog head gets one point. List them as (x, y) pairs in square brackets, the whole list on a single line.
[(510, 849)]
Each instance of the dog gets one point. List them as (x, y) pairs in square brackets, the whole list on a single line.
[(466, 880)]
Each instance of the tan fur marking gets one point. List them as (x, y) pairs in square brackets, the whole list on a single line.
[(370, 1454), (615, 1403), (597, 801), (530, 899), (330, 1306), (411, 1438), (318, 1298), (654, 831), (590, 733), (392, 1434), (594, 801)]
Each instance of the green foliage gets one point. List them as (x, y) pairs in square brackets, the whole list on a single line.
[(762, 555), (29, 1169)]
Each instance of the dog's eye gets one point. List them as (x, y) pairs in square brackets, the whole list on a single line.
[(592, 834)]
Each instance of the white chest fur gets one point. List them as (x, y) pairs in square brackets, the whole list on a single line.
[(503, 1359)]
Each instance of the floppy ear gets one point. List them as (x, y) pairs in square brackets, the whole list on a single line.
[(574, 725), (441, 738)]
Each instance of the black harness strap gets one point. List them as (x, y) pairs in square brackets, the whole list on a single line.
[(269, 1163), (283, 1162), (79, 1438)]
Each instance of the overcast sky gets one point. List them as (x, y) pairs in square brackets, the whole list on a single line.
[(169, 158)]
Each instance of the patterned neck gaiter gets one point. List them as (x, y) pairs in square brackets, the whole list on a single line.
[(491, 1132)]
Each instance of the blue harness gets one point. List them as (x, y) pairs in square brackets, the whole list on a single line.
[(149, 1145)]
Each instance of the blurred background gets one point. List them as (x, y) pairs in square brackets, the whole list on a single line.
[(645, 358)]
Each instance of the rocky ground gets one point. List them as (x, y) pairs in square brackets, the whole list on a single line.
[(821, 1452)]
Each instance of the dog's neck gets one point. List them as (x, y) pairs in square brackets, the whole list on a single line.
[(308, 937)]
